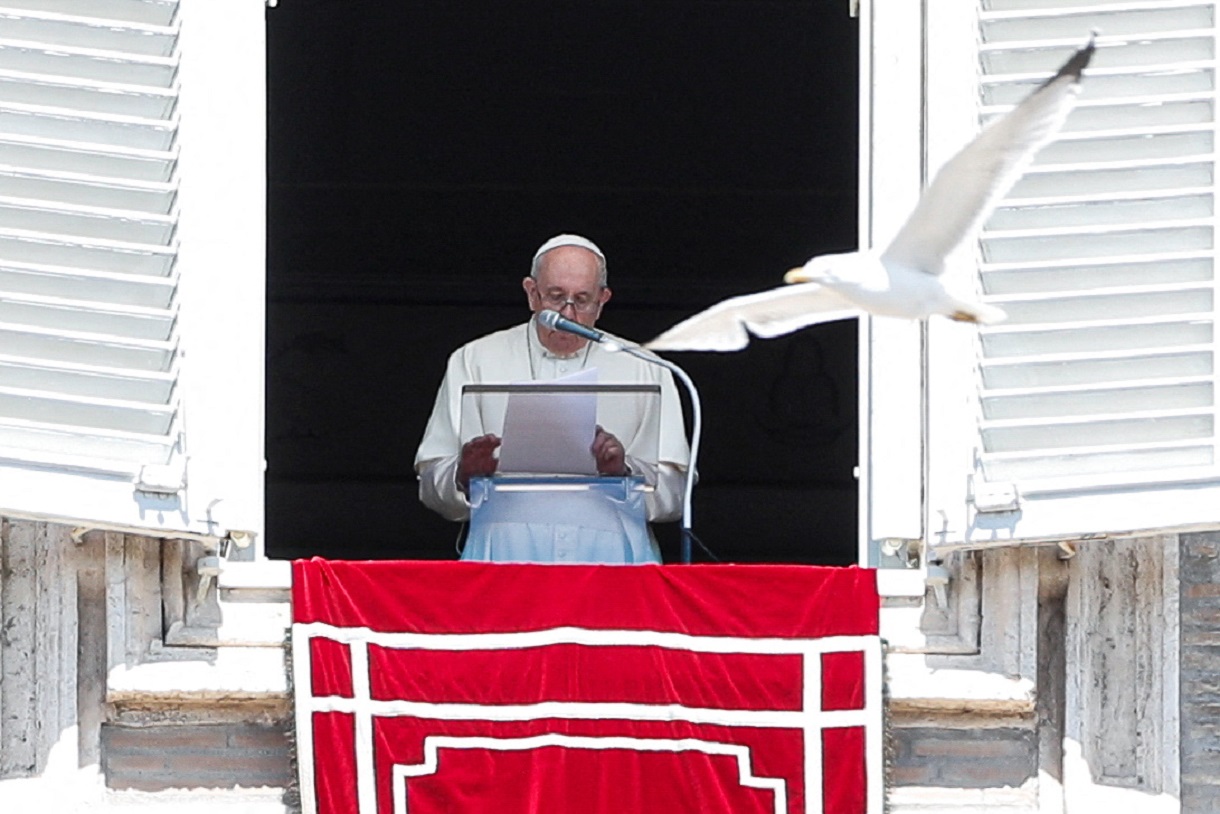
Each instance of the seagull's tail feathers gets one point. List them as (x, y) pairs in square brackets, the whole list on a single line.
[(728, 325)]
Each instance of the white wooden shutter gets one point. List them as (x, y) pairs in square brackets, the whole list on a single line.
[(891, 470), (104, 345), (1092, 410)]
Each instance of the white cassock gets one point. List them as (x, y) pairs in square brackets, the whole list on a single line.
[(565, 532)]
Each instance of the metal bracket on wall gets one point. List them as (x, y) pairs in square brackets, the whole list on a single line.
[(937, 580), (908, 552), (208, 569)]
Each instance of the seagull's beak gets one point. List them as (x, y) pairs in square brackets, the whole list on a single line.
[(797, 275)]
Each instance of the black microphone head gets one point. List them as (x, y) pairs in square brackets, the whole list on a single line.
[(549, 319)]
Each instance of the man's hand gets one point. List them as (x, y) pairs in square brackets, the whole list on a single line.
[(609, 453), (478, 459)]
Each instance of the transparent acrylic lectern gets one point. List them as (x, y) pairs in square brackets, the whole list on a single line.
[(546, 502)]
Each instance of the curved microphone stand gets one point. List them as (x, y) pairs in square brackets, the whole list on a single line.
[(696, 429)]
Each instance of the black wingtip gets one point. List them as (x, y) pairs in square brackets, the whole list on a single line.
[(1075, 66)]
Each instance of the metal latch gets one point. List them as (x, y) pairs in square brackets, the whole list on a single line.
[(162, 479), (994, 497)]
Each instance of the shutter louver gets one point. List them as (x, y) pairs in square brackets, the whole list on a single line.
[(1103, 254), (88, 336)]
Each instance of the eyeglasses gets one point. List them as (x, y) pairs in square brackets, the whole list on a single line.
[(581, 303)]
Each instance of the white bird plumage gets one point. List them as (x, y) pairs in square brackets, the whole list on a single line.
[(905, 279)]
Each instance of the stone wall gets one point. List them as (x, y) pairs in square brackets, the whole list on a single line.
[(133, 665), (1049, 682), (1058, 690), (953, 753), (1200, 677), (48, 650), (184, 755)]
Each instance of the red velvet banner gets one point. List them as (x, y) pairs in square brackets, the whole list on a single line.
[(438, 687)]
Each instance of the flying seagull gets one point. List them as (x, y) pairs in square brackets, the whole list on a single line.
[(904, 280)]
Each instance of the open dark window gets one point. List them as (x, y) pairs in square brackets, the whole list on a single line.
[(419, 152)]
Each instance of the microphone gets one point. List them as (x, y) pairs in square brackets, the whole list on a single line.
[(553, 321)]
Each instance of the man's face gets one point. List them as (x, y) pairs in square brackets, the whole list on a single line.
[(568, 283)]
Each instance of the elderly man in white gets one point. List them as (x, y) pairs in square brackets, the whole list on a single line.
[(568, 276)]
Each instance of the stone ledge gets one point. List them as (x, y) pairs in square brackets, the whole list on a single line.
[(225, 674), (196, 801), (84, 791), (258, 575), (194, 710), (243, 624), (939, 800), (916, 688)]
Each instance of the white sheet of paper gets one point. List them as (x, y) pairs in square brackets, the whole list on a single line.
[(551, 433)]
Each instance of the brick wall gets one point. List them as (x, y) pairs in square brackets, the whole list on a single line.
[(962, 758), (215, 756), (1200, 671)]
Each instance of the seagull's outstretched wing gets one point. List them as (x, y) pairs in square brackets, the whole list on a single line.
[(727, 325), (963, 193)]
